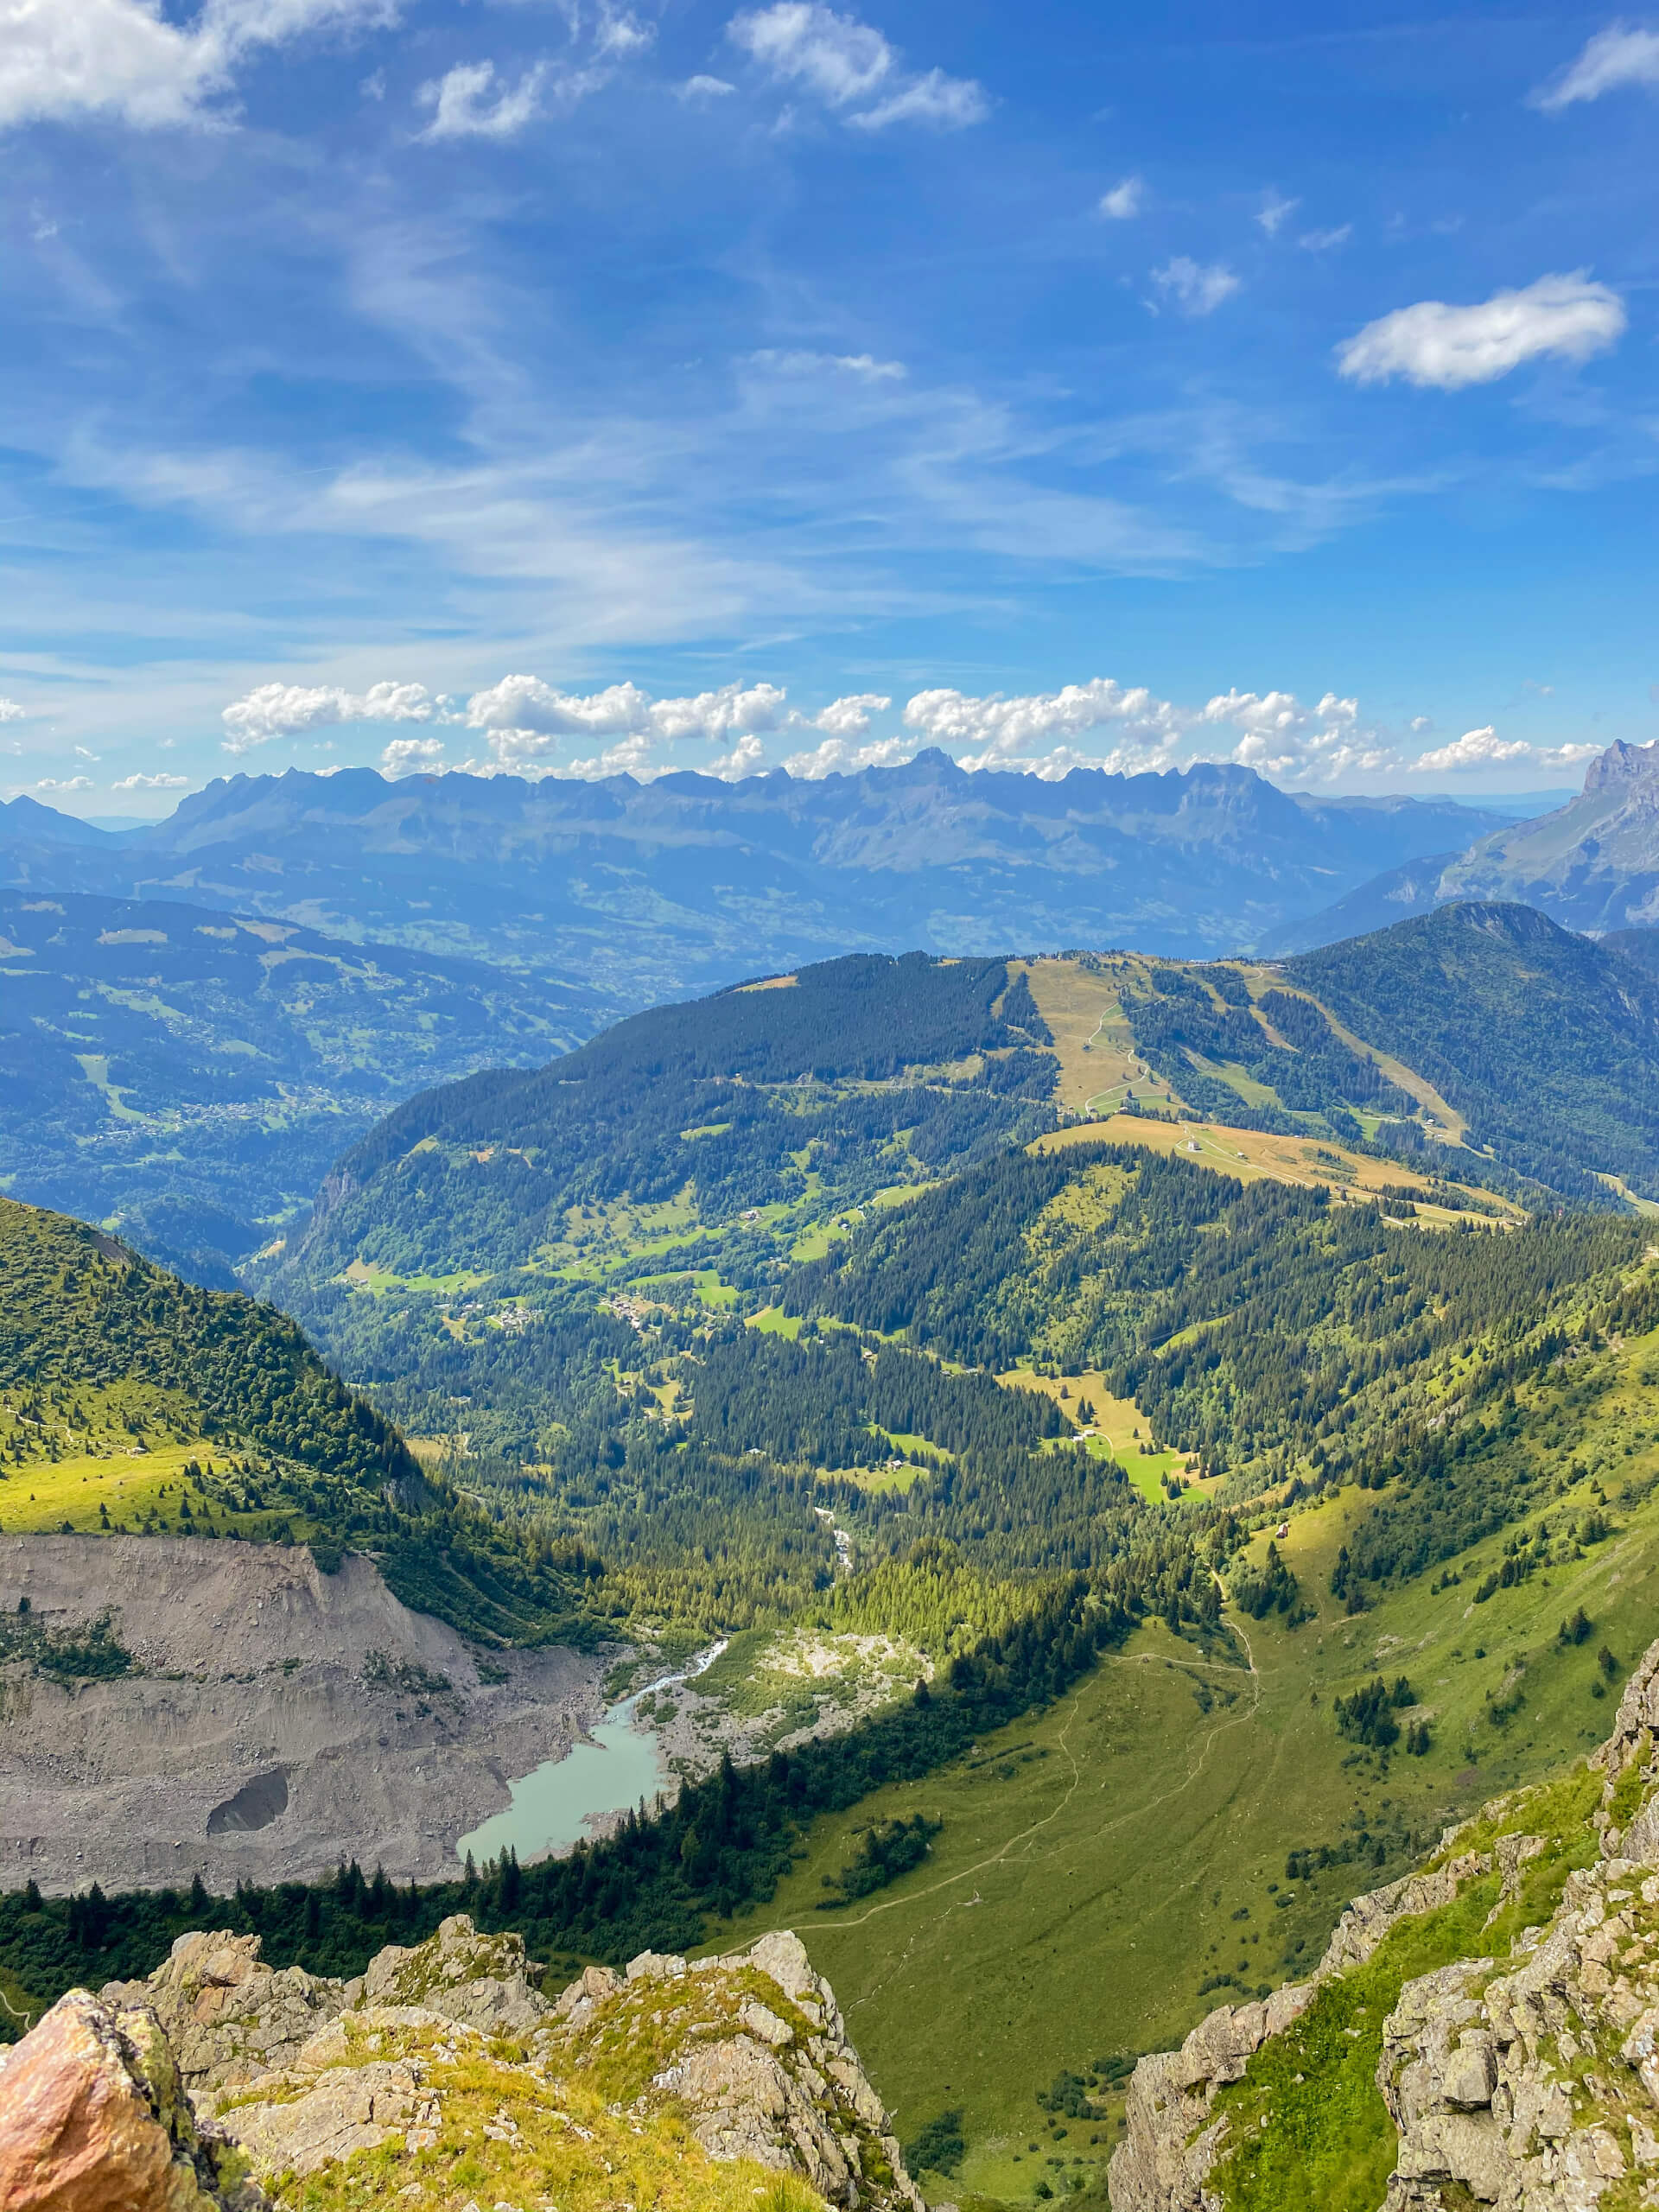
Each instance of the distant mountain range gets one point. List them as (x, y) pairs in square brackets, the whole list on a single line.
[(654, 891), (1591, 865)]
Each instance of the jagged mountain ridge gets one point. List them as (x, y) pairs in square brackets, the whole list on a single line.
[(1591, 865), (650, 890)]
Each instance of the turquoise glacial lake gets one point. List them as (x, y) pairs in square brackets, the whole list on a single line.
[(618, 1766)]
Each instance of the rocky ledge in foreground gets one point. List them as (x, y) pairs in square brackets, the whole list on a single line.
[(1521, 2070), (442, 2078)]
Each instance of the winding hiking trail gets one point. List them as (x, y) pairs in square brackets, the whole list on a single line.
[(1026, 1835)]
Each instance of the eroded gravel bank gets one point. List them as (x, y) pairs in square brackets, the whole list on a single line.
[(279, 1720)]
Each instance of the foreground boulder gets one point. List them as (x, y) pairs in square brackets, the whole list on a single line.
[(94, 2118), (443, 2072)]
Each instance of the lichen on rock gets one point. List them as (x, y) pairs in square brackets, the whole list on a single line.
[(443, 2075)]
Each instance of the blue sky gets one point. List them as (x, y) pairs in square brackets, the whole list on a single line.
[(568, 388)]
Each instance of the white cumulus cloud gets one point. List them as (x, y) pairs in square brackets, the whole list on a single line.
[(1195, 288), (60, 58), (839, 756), (1124, 202), (411, 756), (10, 711), (746, 758), (852, 68), (733, 709), (139, 782), (850, 717), (706, 88), (531, 727), (1449, 347), (1012, 732), (524, 718), (287, 709), (528, 704), (1622, 54), (66, 784), (1279, 736), (1325, 241), (1484, 748)]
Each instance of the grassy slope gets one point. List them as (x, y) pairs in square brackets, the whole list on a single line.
[(114, 1375), (1096, 1057), (1312, 2131), (1090, 1865)]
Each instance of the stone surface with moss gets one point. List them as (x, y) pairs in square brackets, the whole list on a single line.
[(447, 2076), (1484, 2033)]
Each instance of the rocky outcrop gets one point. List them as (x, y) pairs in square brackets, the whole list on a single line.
[(1535, 2086), (94, 2118), (450, 2053), (225, 2015), (1527, 2078), (781, 2085), (1170, 2142)]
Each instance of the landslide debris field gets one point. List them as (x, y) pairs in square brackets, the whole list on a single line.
[(174, 1707)]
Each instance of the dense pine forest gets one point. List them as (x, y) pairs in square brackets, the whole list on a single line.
[(1547, 1042)]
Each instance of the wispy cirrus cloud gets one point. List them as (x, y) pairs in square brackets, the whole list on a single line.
[(852, 69), (1623, 55), (1274, 213)]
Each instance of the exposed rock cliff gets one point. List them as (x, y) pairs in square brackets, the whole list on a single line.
[(1525, 2076), (443, 2076)]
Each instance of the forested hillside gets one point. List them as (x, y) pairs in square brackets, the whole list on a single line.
[(128, 1398), (761, 1098), (1257, 1323), (188, 1074), (1547, 1043)]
